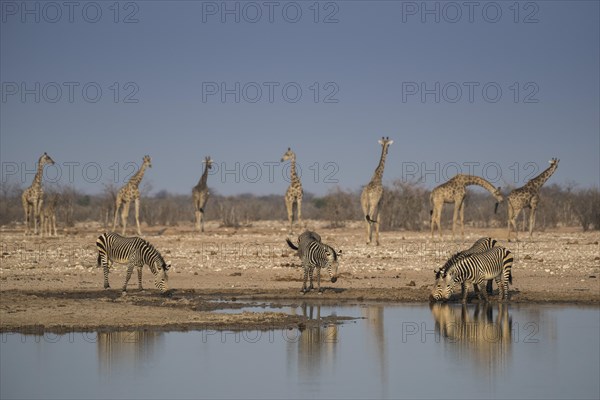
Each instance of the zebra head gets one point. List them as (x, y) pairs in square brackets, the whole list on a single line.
[(161, 279), (443, 288), (332, 263)]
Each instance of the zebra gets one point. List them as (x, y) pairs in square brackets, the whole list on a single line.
[(495, 263), (136, 252), (482, 244), (315, 254)]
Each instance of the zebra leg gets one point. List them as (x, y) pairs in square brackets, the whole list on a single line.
[(489, 289), (464, 292), (319, 280), (310, 276), (104, 262), (305, 278), (139, 271), (128, 276)]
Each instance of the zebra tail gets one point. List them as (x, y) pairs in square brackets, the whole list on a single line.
[(99, 260), (510, 276), (289, 242)]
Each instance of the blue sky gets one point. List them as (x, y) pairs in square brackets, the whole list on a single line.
[(495, 90)]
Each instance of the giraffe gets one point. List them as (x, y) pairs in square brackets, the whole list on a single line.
[(528, 196), (33, 197), (131, 192), (454, 191), (370, 198), (48, 216), (200, 194), (294, 191)]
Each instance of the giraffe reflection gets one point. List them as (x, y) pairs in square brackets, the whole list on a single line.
[(126, 350), (480, 336)]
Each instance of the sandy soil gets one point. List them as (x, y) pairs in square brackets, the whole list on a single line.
[(53, 284)]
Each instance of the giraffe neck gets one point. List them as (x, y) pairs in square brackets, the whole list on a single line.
[(293, 175), (378, 175), (476, 180), (37, 180), (204, 177), (137, 178), (539, 180)]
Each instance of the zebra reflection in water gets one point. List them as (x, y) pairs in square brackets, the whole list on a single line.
[(475, 333), (124, 351)]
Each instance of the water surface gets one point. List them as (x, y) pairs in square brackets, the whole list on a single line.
[(395, 351)]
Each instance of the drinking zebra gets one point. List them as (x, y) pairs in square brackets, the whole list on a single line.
[(136, 252), (495, 263), (482, 244), (315, 254)]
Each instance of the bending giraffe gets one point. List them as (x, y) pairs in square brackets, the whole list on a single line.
[(200, 194), (370, 198), (33, 197), (528, 196), (294, 191), (128, 193), (454, 191)]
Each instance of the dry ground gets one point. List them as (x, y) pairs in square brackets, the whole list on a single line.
[(53, 284)]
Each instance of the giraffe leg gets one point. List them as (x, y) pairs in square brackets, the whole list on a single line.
[(532, 218), (455, 217), (299, 205), (201, 220), (197, 219), (117, 205), (377, 217), (124, 216), (289, 207), (462, 219), (137, 216), (37, 208)]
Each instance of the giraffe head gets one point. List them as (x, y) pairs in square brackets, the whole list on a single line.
[(499, 198), (45, 159), (385, 142), (147, 161), (208, 161), (554, 161), (289, 155)]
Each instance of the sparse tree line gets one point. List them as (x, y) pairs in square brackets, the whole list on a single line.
[(405, 206)]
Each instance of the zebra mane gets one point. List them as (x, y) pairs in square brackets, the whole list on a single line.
[(160, 258), (444, 269)]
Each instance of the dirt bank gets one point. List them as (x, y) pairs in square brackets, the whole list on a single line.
[(53, 284)]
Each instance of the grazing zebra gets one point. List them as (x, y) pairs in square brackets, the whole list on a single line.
[(135, 252), (315, 254), (482, 244), (495, 263)]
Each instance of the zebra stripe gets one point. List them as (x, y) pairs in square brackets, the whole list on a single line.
[(481, 245), (495, 263), (136, 252), (315, 254)]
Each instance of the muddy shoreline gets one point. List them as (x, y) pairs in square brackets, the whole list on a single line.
[(53, 284)]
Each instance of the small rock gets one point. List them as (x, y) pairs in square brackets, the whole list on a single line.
[(527, 257), (195, 272), (411, 283), (235, 274), (592, 276)]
